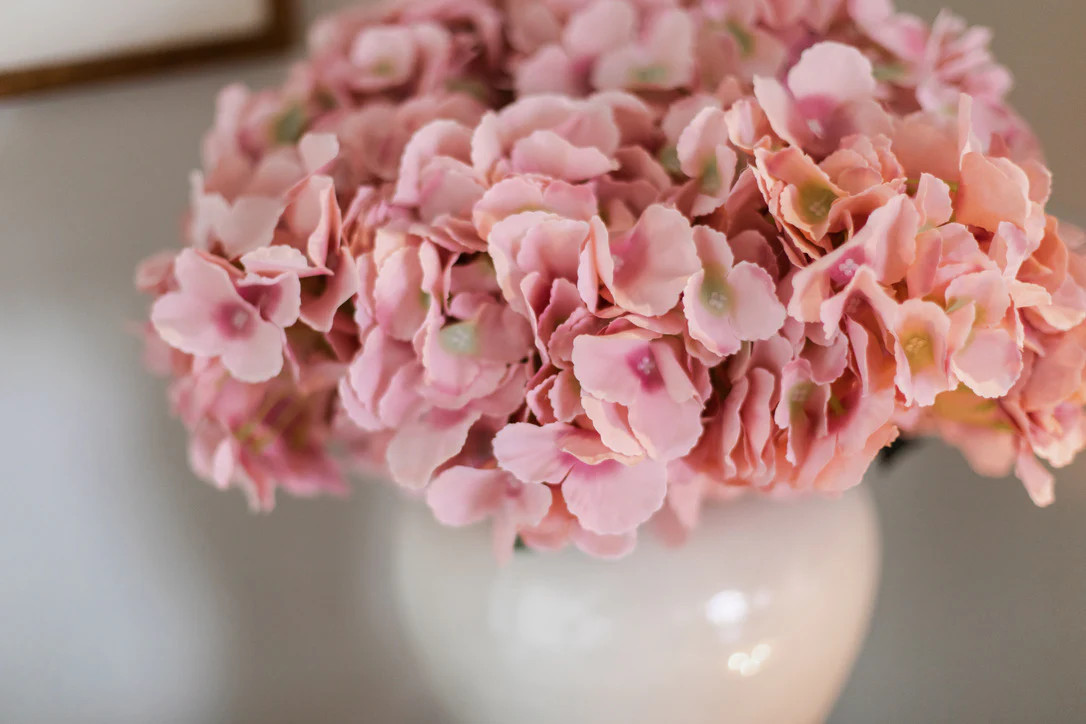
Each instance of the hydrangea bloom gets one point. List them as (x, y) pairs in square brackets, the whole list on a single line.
[(578, 266)]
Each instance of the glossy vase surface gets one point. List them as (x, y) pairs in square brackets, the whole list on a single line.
[(757, 619)]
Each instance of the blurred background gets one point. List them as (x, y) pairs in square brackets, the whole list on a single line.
[(130, 592)]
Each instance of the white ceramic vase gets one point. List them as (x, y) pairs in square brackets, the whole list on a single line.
[(756, 620)]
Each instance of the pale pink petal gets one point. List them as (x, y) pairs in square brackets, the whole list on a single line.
[(183, 322), (486, 144), (610, 421), (550, 70), (779, 109), (545, 152), (565, 396), (319, 311), (667, 429), (992, 191), (601, 26), (259, 356), (401, 300), (186, 319), (889, 239), (462, 496), (986, 290), (527, 505), (317, 150), (741, 306), (647, 267), (830, 74), (671, 44), (697, 148), (437, 138), (274, 260), (615, 368), (532, 453), (418, 448), (990, 363), (933, 201), (706, 306), (250, 224), (613, 498), (608, 547), (277, 299), (921, 332), (1037, 479), (385, 55)]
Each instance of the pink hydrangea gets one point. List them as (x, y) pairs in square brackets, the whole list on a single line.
[(580, 267)]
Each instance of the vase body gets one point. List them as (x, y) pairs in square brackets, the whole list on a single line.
[(756, 619)]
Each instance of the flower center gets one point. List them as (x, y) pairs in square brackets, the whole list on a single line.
[(715, 294), (643, 364), (460, 339), (710, 177), (815, 201), (649, 74), (234, 320), (846, 270), (918, 350)]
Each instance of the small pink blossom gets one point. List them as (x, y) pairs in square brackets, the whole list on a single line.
[(609, 495), (662, 58), (647, 268), (704, 155), (584, 266), (462, 496), (727, 303), (641, 384), (921, 333), (212, 316)]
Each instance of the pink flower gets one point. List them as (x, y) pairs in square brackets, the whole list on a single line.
[(704, 155), (212, 316), (886, 245), (993, 190), (921, 350), (662, 58), (384, 57), (988, 359), (608, 494), (561, 527), (542, 245), (638, 394), (646, 268), (800, 194), (435, 173), (422, 445), (580, 266), (830, 93), (728, 303), (548, 135), (462, 496), (380, 389)]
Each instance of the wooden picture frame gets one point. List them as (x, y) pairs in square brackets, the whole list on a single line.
[(276, 33)]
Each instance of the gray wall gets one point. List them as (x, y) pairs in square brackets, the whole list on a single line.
[(131, 593)]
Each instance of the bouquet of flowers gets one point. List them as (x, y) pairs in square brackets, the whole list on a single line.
[(579, 266)]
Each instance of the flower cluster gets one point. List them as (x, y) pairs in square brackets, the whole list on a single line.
[(580, 265)]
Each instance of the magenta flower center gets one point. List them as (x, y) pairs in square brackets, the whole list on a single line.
[(843, 272), (234, 320), (643, 364)]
